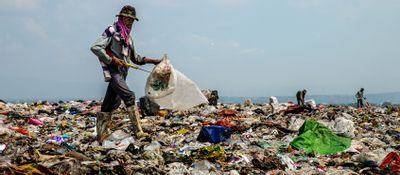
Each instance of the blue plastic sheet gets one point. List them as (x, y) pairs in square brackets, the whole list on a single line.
[(214, 134)]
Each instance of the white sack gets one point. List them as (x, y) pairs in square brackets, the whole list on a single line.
[(180, 94)]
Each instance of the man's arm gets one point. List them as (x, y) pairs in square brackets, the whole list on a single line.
[(99, 49), (137, 59), (152, 61)]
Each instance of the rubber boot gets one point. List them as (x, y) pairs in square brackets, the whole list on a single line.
[(103, 126), (135, 119)]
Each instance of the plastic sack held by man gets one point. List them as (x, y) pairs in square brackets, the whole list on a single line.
[(171, 89), (115, 49)]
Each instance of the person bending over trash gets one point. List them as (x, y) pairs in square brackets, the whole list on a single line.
[(360, 98), (115, 50), (300, 97)]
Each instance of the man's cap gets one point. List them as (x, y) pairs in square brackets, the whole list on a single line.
[(128, 11)]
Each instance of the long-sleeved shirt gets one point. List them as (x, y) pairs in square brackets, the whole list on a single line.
[(111, 42), (360, 95)]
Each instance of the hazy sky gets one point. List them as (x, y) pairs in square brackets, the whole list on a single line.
[(240, 47)]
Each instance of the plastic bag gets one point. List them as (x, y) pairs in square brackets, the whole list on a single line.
[(212, 152), (148, 107), (164, 69), (315, 137), (35, 122), (180, 93), (343, 126), (203, 167), (276, 106), (161, 81), (177, 168), (119, 140), (290, 165), (214, 134), (311, 103)]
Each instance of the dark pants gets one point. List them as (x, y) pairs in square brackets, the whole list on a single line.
[(117, 90), (300, 101), (360, 103)]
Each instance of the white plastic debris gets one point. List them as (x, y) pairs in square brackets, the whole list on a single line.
[(290, 165), (177, 168), (276, 106), (295, 123), (2, 148), (342, 126), (311, 103), (119, 140)]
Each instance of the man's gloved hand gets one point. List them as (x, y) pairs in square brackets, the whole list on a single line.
[(116, 61)]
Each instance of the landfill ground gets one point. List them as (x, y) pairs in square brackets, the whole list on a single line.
[(59, 138)]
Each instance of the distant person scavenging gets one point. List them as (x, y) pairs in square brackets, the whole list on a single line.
[(360, 98), (300, 95), (115, 49)]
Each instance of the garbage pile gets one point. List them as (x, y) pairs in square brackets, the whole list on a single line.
[(59, 138)]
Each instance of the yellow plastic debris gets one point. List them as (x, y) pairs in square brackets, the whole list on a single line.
[(183, 131), (212, 152), (64, 123), (163, 113)]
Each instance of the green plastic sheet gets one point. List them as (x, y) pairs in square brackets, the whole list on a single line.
[(317, 138)]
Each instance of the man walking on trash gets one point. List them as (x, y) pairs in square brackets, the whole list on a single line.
[(360, 98), (115, 49), (300, 97)]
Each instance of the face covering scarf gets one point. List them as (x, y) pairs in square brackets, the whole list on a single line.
[(124, 30)]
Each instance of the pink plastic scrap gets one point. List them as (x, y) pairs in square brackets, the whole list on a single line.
[(35, 122)]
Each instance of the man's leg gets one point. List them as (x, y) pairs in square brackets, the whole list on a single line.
[(111, 102), (121, 88)]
